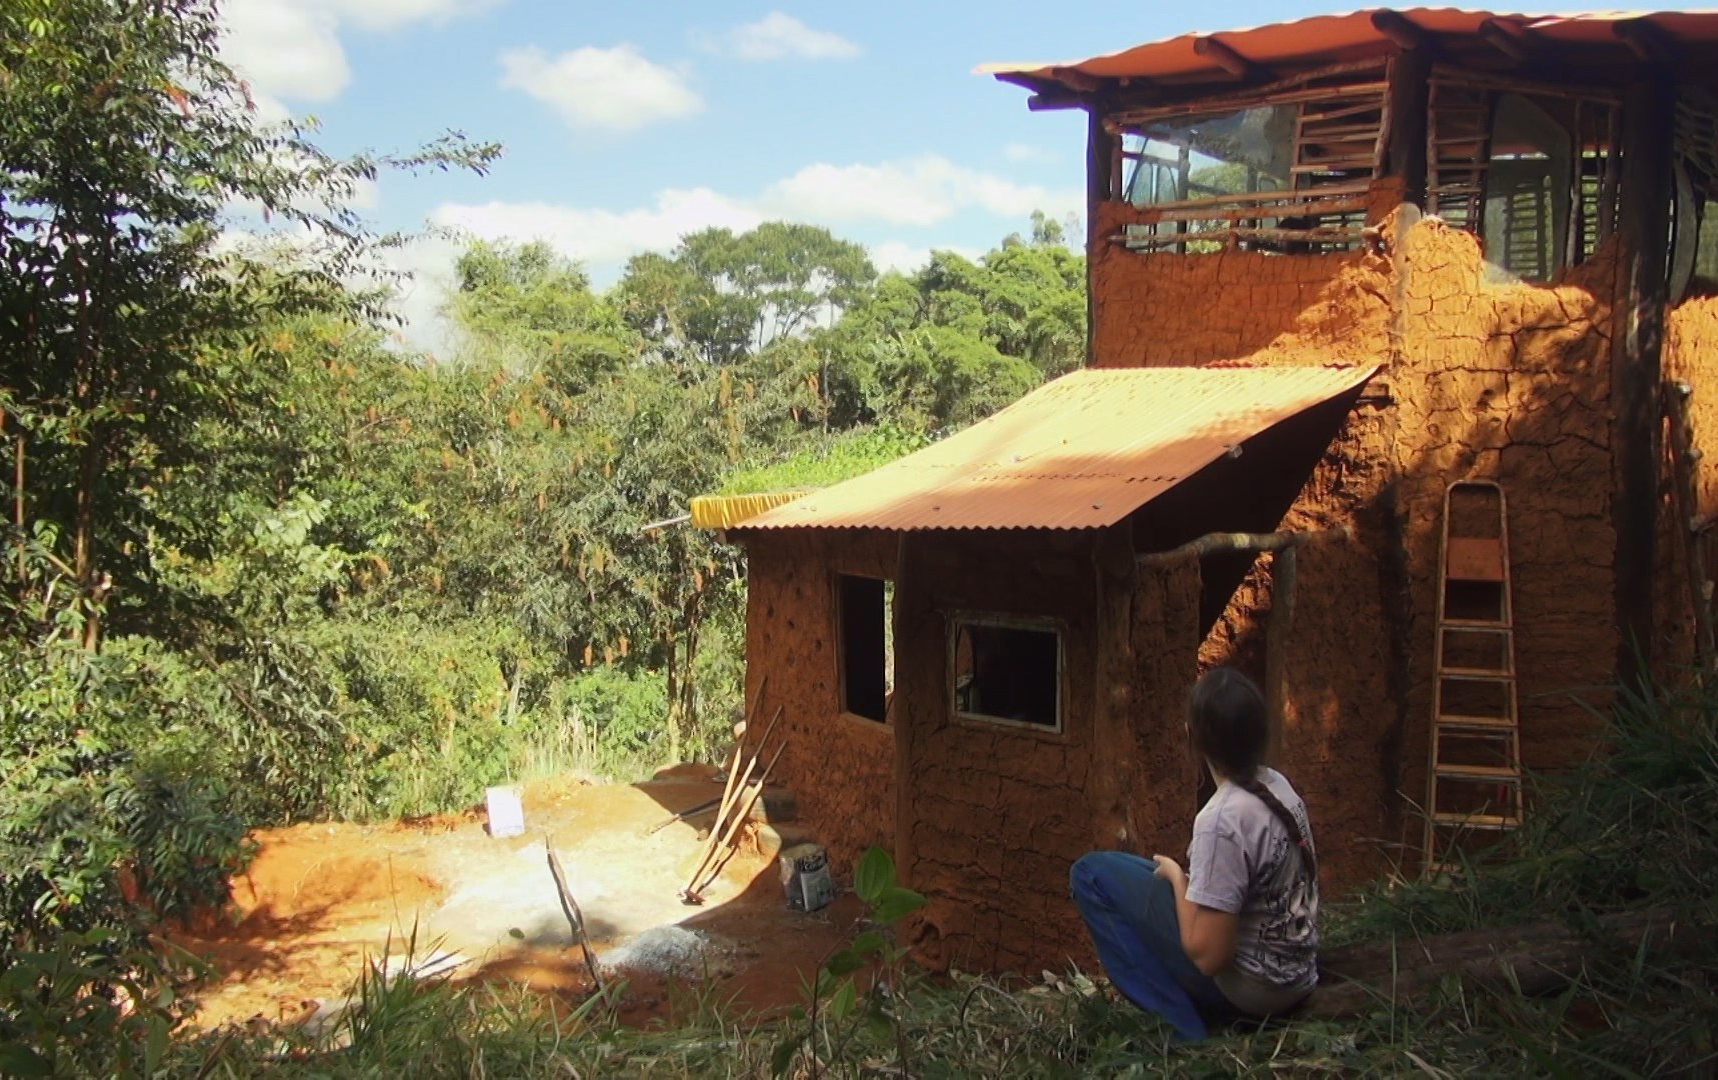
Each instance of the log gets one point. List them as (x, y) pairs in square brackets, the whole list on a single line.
[(1536, 959), (1215, 543)]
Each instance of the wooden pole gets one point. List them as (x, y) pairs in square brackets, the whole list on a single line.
[(1648, 113), (1219, 543), (744, 807), (1405, 137), (1103, 182)]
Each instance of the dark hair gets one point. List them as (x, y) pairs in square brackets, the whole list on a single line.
[(1230, 725)]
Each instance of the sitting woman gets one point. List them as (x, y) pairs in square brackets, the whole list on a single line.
[(1236, 933)]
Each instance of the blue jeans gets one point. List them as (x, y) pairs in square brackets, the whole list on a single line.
[(1130, 912)]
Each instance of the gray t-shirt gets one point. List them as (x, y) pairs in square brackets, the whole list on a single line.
[(1243, 861)]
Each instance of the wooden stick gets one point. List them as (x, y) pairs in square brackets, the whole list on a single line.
[(1213, 543), (689, 893), (575, 917), (750, 801), (689, 812)]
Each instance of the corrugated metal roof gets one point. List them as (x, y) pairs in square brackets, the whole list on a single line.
[(1082, 452), (1332, 38)]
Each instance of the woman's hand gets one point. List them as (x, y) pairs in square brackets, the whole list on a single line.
[(1170, 870)]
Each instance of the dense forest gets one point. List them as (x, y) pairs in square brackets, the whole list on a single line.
[(264, 564)]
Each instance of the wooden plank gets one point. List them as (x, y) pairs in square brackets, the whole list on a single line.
[(1263, 97), (1300, 208), (1471, 559)]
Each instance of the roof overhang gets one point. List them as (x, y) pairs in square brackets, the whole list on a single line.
[(1225, 58), (1082, 452)]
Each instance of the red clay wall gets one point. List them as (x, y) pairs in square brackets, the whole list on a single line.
[(995, 814), (1155, 310), (1506, 382), (1690, 356), (840, 767), (1512, 383)]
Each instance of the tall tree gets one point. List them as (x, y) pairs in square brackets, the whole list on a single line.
[(127, 142)]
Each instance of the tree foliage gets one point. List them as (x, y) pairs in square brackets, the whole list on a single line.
[(260, 565)]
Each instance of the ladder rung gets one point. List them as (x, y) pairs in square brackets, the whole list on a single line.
[(1489, 723), (1474, 675), (1478, 821), (1476, 624), (1477, 674), (1501, 774)]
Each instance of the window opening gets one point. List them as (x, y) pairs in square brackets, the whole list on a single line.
[(1527, 191), (1533, 174), (1007, 671), (1284, 172), (865, 608)]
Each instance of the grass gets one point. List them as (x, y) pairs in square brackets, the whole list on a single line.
[(1635, 828), (841, 458)]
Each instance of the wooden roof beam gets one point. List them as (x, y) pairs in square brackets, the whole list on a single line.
[(1225, 57), (1404, 32), (1511, 39), (1053, 102), (1647, 41), (1077, 80)]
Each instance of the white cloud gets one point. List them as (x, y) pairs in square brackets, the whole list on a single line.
[(290, 49), (778, 36), (618, 89), (906, 258), (286, 49), (603, 236), (918, 192)]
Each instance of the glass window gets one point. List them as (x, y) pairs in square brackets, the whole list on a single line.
[(1199, 157)]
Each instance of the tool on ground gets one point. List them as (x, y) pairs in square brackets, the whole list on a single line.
[(729, 797), (1475, 753), (693, 892), (575, 917), (689, 812)]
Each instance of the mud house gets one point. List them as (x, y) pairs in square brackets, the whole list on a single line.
[(1336, 266)]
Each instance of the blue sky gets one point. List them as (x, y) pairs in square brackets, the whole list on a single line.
[(626, 124)]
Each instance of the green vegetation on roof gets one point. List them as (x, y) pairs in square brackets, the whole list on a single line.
[(842, 458)]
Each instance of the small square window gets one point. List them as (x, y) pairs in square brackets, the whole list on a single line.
[(867, 651), (1008, 671)]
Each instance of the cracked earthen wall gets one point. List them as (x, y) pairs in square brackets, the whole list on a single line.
[(1690, 356), (996, 813), (840, 767), (1505, 382)]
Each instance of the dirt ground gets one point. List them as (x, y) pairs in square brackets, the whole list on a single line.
[(321, 900)]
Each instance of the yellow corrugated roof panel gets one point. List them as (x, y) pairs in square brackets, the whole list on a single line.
[(1082, 452), (726, 511)]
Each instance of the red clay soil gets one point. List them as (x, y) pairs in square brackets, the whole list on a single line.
[(320, 901)]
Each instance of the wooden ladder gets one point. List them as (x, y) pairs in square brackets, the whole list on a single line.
[(1475, 754)]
